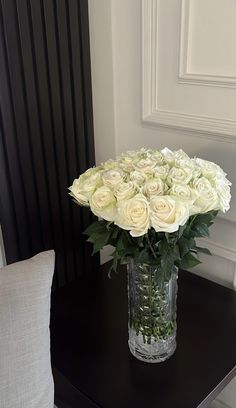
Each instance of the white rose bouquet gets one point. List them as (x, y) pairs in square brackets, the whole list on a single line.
[(152, 205)]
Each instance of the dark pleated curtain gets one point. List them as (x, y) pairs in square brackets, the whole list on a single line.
[(46, 130)]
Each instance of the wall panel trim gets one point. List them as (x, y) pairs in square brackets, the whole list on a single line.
[(210, 127)]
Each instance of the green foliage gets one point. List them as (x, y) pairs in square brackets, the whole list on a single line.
[(154, 248)]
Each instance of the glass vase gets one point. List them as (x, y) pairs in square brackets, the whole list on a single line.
[(152, 312)]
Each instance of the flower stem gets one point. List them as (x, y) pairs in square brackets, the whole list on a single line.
[(190, 224), (150, 246)]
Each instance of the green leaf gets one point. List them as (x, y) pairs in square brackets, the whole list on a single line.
[(181, 230), (202, 250), (115, 263), (97, 226), (154, 248), (167, 264), (137, 241), (121, 242), (189, 261), (185, 245), (100, 241), (169, 259), (206, 218), (163, 247), (115, 233), (143, 256), (171, 238), (201, 230), (175, 253)]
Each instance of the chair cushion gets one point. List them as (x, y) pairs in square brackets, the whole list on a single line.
[(25, 369)]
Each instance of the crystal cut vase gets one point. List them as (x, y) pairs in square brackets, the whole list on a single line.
[(152, 312)]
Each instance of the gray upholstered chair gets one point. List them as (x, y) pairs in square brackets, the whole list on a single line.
[(25, 368)]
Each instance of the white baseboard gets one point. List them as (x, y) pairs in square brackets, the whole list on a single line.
[(219, 404)]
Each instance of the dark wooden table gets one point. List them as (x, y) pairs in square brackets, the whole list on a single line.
[(92, 363)]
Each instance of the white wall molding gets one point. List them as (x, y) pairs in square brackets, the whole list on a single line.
[(207, 80), (229, 216), (219, 249), (223, 252), (185, 75), (149, 66), (215, 128), (210, 127)]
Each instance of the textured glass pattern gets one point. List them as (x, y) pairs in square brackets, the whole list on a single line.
[(152, 312)]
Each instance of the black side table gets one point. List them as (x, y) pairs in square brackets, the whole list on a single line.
[(92, 361)]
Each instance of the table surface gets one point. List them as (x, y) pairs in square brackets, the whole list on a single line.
[(89, 345)]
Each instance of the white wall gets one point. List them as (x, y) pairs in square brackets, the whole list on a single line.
[(102, 78), (190, 86), (116, 37)]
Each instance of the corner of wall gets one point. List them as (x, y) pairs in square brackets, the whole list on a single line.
[(2, 251), (100, 22)]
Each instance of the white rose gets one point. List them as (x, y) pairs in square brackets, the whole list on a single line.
[(144, 152), (138, 177), (77, 194), (88, 173), (152, 187), (127, 163), (177, 158), (202, 185), (130, 153), (145, 165), (92, 182), (179, 175), (167, 213), (185, 163), (197, 172), (109, 164), (83, 187), (183, 192), (168, 155), (223, 191), (133, 215), (125, 191), (111, 178), (157, 157), (182, 159), (103, 203), (219, 180), (208, 198), (133, 153), (161, 171), (208, 169)]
